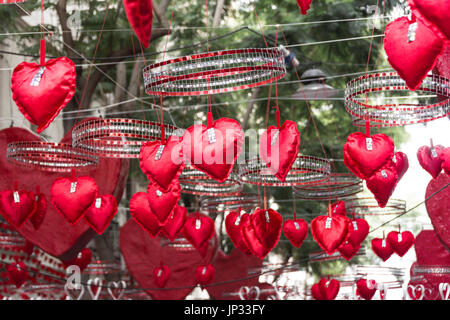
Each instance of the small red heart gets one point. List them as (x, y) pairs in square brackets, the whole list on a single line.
[(363, 160), (142, 214), (262, 231), (198, 230), (41, 209), (296, 231), (329, 232), (430, 159), (17, 273), (329, 288), (400, 245), (233, 223), (278, 148), (366, 288), (174, 225), (162, 167), (412, 59), (434, 13), (40, 99), (304, 5), (101, 212), (163, 203), (82, 260), (382, 184), (445, 157), (205, 274), (416, 291), (382, 248), (358, 230), (348, 250), (161, 276), (400, 164), (338, 208), (140, 17), (16, 213), (214, 150), (72, 197)]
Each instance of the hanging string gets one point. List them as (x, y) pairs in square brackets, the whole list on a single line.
[(42, 48)]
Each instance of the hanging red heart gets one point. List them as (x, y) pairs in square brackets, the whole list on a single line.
[(174, 225), (412, 56), (400, 242), (41, 208), (366, 288), (214, 149), (161, 276), (262, 231), (198, 230), (278, 148), (382, 248), (82, 260), (434, 13), (17, 273), (142, 214), (140, 17), (233, 223), (358, 231), (41, 92), (348, 250), (205, 274), (72, 197), (365, 155), (304, 5), (162, 163), (430, 159), (163, 203), (445, 157), (17, 206), (382, 184), (101, 212), (329, 289), (296, 231), (338, 208), (400, 164), (329, 232)]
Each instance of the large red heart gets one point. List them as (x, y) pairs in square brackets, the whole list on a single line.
[(382, 248), (162, 163), (198, 230), (17, 206), (205, 274), (434, 13), (348, 250), (161, 275), (41, 209), (101, 212), (400, 242), (358, 230), (214, 149), (296, 231), (366, 288), (438, 207), (140, 17), (430, 159), (163, 203), (17, 273), (329, 232), (233, 223), (304, 5), (141, 213), (445, 157), (174, 225), (382, 184), (412, 59), (363, 158), (42, 92), (325, 289), (72, 197), (400, 164), (278, 148), (262, 231)]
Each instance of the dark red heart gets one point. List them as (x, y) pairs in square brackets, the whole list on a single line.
[(17, 273), (233, 223), (163, 203), (434, 13), (101, 212), (141, 213), (358, 230), (198, 230), (41, 98), (325, 289), (348, 250), (162, 167), (382, 248), (296, 231), (364, 161), (382, 184), (17, 206), (338, 208), (205, 274), (41, 209), (82, 260), (140, 17), (161, 276), (278, 148), (445, 157), (366, 288), (329, 232), (400, 164), (174, 225), (304, 5), (430, 159), (400, 244)]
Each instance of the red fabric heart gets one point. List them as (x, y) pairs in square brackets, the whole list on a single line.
[(329, 232), (434, 13), (40, 99), (382, 248), (215, 159), (262, 231), (412, 59), (400, 245), (400, 164), (325, 289), (438, 207), (175, 224), (366, 288), (82, 260), (296, 231), (338, 208), (348, 250), (363, 162), (198, 230), (16, 213), (101, 212), (72, 200), (205, 274), (445, 157), (142, 214), (358, 230), (17, 273), (278, 148), (163, 203), (140, 17), (430, 159), (38, 215), (304, 5), (382, 184), (233, 223), (163, 167), (161, 276)]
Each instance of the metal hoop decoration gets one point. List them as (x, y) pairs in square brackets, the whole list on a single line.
[(214, 72), (245, 201), (305, 170), (118, 138), (323, 256), (339, 185), (394, 114), (49, 156), (362, 207), (419, 270), (102, 267)]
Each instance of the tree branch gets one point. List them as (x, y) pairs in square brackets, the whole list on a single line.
[(159, 13)]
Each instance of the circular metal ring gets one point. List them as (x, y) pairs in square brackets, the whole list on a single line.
[(339, 185), (362, 207), (245, 201)]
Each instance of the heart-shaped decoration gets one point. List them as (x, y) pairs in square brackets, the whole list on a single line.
[(94, 287), (444, 290), (278, 148), (162, 163), (412, 49), (161, 276), (41, 92), (296, 231), (71, 293), (430, 159), (366, 288), (174, 225), (233, 222), (382, 184), (416, 292), (38, 216), (214, 149), (304, 5), (249, 293), (400, 164), (330, 232), (382, 248), (116, 289), (101, 212), (358, 230), (205, 274), (17, 273), (434, 13), (365, 155), (338, 208), (82, 260), (348, 250), (72, 197), (262, 231), (17, 206), (140, 17), (325, 289), (141, 213), (163, 203), (445, 157), (198, 230), (400, 242)]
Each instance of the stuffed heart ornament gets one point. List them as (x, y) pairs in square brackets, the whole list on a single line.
[(198, 230), (161, 276), (142, 214), (17, 206), (38, 215), (233, 223), (338, 208), (101, 212), (382, 248), (358, 230), (72, 197), (17, 273), (213, 149), (348, 250), (41, 92), (175, 224), (329, 289), (400, 242), (412, 57), (382, 184), (400, 164), (140, 17), (329, 232), (205, 274), (434, 13), (365, 155), (366, 288), (278, 148), (296, 231), (162, 163), (304, 5), (445, 157), (262, 231), (163, 203), (82, 260), (430, 159)]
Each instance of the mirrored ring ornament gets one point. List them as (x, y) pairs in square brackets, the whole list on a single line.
[(362, 207), (338, 185), (244, 201)]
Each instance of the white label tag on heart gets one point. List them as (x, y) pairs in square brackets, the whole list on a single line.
[(412, 32), (383, 243), (73, 187), (275, 137), (159, 273), (159, 152), (369, 144), (383, 174), (296, 225), (238, 220), (198, 224), (158, 193), (400, 238), (37, 77), (267, 217), (394, 159), (211, 135), (328, 223), (433, 153), (204, 271), (355, 225), (36, 198), (16, 197), (98, 203)]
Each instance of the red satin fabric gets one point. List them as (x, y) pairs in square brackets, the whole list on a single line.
[(175, 223), (17, 273), (161, 276), (357, 236), (304, 5), (233, 229), (140, 17), (366, 290), (348, 250), (38, 215), (433, 165), (82, 260), (330, 239), (17, 213), (400, 164), (142, 214), (205, 274), (296, 231), (325, 289), (338, 208), (100, 218), (198, 234), (434, 13), (382, 186), (163, 203), (400, 247), (383, 253)]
